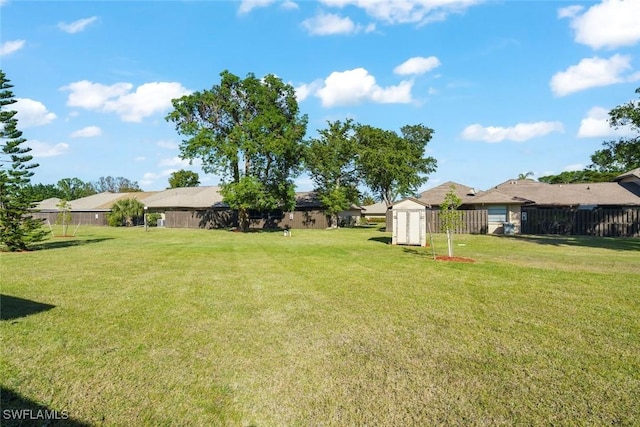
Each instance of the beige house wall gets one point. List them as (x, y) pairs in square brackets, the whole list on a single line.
[(513, 216)]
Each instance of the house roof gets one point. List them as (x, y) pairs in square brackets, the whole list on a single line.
[(48, 204), (497, 197), (187, 197), (379, 208), (100, 202), (436, 195), (634, 173), (543, 194)]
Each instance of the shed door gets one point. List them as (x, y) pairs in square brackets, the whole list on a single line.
[(401, 228), (413, 230)]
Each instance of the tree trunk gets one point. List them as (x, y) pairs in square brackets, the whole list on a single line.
[(243, 219), (450, 242)]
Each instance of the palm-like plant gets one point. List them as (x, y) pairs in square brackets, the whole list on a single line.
[(525, 175), (125, 211)]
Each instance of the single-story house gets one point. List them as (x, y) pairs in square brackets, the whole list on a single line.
[(198, 207), (90, 210), (376, 212), (531, 207), (203, 207), (513, 202)]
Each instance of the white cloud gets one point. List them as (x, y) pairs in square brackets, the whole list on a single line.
[(417, 65), (31, 113), (150, 177), (148, 99), (596, 125), (574, 167), (520, 132), (355, 86), (170, 145), (93, 96), (406, 11), (42, 149), (591, 72), (11, 46), (289, 5), (247, 6), (174, 161), (87, 132), (77, 26), (610, 24), (327, 24), (569, 11), (305, 90)]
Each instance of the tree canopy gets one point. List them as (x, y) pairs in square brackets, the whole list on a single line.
[(331, 161), (115, 185), (622, 155), (18, 229), (248, 131), (393, 165), (184, 178), (574, 177), (74, 188), (125, 212)]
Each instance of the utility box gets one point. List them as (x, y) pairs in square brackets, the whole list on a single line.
[(509, 228), (409, 223)]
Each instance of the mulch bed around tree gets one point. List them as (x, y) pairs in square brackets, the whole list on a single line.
[(454, 258)]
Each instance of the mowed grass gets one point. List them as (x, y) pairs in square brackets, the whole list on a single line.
[(327, 327)]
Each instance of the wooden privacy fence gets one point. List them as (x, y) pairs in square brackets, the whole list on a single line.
[(598, 222), (472, 222)]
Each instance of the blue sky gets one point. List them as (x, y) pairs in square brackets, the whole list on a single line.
[(508, 86)]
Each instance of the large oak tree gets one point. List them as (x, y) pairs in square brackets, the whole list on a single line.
[(331, 161), (393, 165), (249, 131), (622, 155)]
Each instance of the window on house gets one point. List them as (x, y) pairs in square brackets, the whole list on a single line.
[(497, 214)]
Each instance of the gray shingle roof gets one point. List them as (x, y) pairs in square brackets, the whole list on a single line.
[(435, 196), (634, 173), (543, 194), (379, 208), (187, 197), (48, 204), (100, 202)]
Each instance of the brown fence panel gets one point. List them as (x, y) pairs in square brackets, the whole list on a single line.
[(570, 221), (308, 219), (471, 222)]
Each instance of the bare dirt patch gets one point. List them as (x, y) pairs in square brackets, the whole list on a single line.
[(454, 259)]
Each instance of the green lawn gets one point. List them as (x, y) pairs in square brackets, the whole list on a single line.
[(327, 327)]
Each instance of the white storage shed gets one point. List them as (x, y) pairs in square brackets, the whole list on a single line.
[(409, 222)]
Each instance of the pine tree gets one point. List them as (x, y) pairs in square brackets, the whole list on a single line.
[(18, 229)]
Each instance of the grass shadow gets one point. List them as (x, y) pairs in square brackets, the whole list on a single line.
[(14, 307), (422, 253), (18, 410), (59, 244), (613, 243), (385, 240)]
